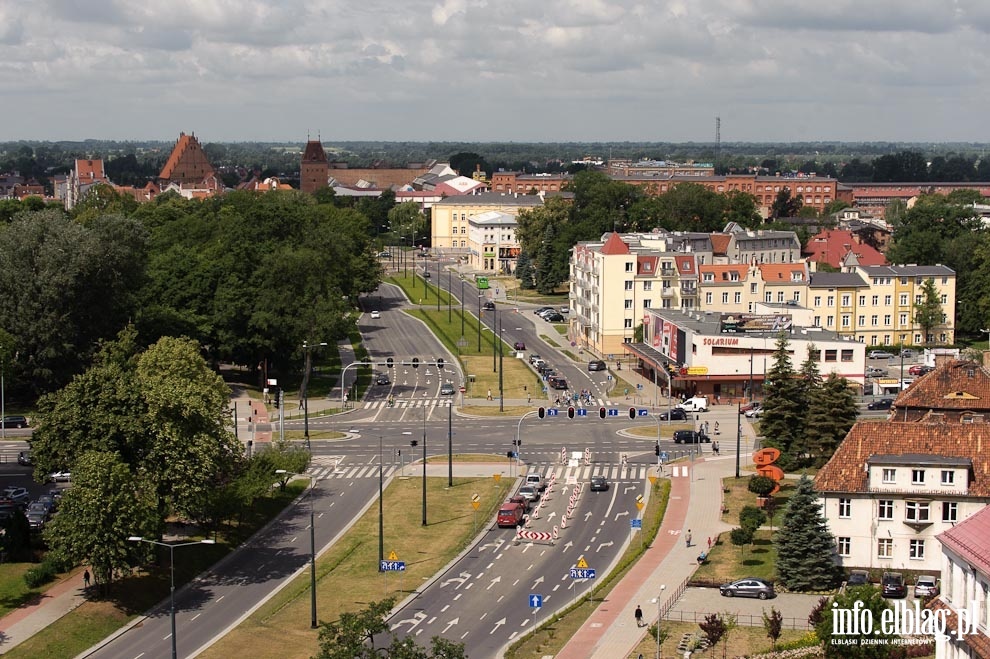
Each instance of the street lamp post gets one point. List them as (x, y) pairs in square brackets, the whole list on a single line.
[(424, 466), (495, 338), (501, 393), (462, 306), (381, 510), (308, 361), (312, 545), (479, 322), (171, 569), (663, 587)]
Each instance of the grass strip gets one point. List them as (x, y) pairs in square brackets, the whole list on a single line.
[(421, 291)]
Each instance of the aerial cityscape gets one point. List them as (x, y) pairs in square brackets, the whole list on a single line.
[(576, 331)]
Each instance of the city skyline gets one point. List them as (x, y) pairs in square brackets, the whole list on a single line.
[(463, 70)]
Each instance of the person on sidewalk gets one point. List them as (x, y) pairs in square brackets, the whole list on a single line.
[(715, 447), (639, 616), (86, 579), (489, 394), (687, 539)]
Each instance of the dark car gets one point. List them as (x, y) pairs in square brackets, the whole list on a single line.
[(25, 459), (882, 404), (599, 484), (690, 437), (596, 365), (754, 405), (426, 274), (553, 318), (557, 383), (748, 587), (858, 578), (447, 389), (542, 310), (14, 421), (545, 369), (383, 379), (489, 306), (892, 584), (676, 414), (519, 345)]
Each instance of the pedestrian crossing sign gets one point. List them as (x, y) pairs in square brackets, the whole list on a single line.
[(582, 564), (392, 556)]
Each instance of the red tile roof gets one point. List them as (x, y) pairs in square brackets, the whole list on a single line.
[(187, 163), (722, 272), (783, 272), (969, 538), (831, 246), (314, 152), (614, 245), (647, 265), (90, 171), (720, 243), (846, 470), (955, 385), (685, 265)]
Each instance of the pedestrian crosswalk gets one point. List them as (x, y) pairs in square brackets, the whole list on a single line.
[(408, 402)]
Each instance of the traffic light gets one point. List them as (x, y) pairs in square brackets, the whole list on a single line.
[(601, 412), (542, 412), (389, 363), (510, 454), (632, 412), (570, 412), (415, 363), (656, 450), (439, 363), (414, 443)]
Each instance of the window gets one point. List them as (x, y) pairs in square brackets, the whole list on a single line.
[(917, 476), (862, 300), (885, 548), (627, 323), (768, 297), (628, 304), (738, 298), (830, 321), (876, 300), (708, 277), (949, 476), (916, 550), (818, 301), (725, 298), (831, 300), (916, 511), (463, 243), (844, 546), (647, 285), (889, 475), (780, 296), (950, 511), (629, 285), (917, 299), (845, 508), (830, 355), (846, 355), (816, 321), (887, 299), (862, 320), (846, 299), (647, 304), (904, 299), (753, 289), (629, 267), (708, 298), (845, 320), (874, 319), (902, 319), (797, 296), (886, 319), (945, 298), (885, 509)]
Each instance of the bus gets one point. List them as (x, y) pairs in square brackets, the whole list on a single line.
[(481, 283)]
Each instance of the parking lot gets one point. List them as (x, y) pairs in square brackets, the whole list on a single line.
[(696, 603)]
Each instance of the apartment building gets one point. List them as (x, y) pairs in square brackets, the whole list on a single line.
[(492, 244), (518, 182), (965, 586), (450, 222)]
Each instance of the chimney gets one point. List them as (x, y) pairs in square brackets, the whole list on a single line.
[(945, 359), (986, 359)]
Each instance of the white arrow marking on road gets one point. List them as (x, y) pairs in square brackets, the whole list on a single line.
[(587, 515), (629, 487), (605, 544), (494, 581), (567, 545), (449, 625), (551, 515), (618, 515), (412, 622), (538, 581), (460, 579), (497, 625)]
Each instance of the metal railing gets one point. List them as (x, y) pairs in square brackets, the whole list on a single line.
[(742, 619)]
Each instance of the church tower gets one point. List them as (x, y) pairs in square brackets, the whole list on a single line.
[(315, 169)]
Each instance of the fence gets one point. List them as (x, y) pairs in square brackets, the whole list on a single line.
[(742, 619)]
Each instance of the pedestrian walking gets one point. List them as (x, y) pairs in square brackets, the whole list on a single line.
[(715, 447), (489, 394), (639, 616), (716, 428), (86, 579), (687, 539)]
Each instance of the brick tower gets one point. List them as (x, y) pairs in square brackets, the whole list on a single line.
[(315, 170)]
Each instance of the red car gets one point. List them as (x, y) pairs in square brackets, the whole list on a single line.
[(920, 369), (754, 405)]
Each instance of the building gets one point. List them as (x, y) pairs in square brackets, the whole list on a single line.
[(892, 487), (314, 170), (449, 227), (492, 242), (957, 391), (726, 356), (965, 586), (517, 182), (886, 315), (188, 171), (86, 173), (834, 247), (874, 197), (625, 167)]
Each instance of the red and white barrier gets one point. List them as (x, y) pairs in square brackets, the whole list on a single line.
[(534, 535)]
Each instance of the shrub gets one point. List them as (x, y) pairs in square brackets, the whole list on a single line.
[(761, 486), (40, 574), (751, 517)]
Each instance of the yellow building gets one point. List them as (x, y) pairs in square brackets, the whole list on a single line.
[(451, 217)]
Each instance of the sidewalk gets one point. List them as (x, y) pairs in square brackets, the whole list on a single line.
[(611, 629), (23, 623), (250, 412)]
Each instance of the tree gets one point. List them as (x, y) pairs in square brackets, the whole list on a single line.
[(751, 517), (868, 598), (761, 486), (406, 219), (805, 547), (731, 623), (832, 411), (741, 536), (785, 205), (713, 628), (928, 313), (525, 272), (774, 626), (782, 422), (106, 504)]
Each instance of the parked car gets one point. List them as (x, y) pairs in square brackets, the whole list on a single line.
[(599, 484), (542, 310), (881, 404), (383, 379), (916, 369), (545, 369), (60, 477), (752, 405), (519, 345), (879, 354), (546, 312), (509, 515), (676, 414), (748, 587), (49, 502), (564, 310), (926, 586), (892, 584), (14, 421), (15, 494), (874, 372), (695, 404), (754, 413), (907, 353), (376, 314), (488, 305), (534, 359), (25, 459), (36, 519), (447, 389), (596, 365), (384, 255), (858, 578), (553, 318)]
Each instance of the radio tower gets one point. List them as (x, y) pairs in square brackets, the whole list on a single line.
[(718, 139)]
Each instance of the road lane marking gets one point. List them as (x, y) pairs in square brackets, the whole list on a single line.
[(446, 606), (195, 616)]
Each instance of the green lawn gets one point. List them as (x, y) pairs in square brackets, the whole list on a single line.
[(423, 291), (13, 591)]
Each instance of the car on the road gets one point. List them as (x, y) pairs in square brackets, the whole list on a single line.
[(510, 515), (599, 484), (376, 314), (519, 345), (907, 353), (675, 414), (892, 584), (858, 578), (60, 476), (531, 492), (50, 502), (564, 310), (553, 318), (596, 365), (426, 274), (881, 404), (383, 379), (16, 494), (25, 459), (874, 372), (36, 519), (754, 413), (748, 587), (447, 389), (545, 369), (14, 421), (521, 500), (534, 359), (690, 437), (752, 405), (557, 382), (879, 354), (536, 479), (920, 369), (926, 586), (384, 255), (488, 306)]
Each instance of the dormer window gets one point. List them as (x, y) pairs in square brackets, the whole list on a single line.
[(917, 476), (948, 477), (709, 276), (889, 475), (734, 276)]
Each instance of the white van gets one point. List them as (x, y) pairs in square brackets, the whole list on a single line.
[(696, 404), (536, 480)]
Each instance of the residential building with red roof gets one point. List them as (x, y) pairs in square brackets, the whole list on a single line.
[(86, 173), (839, 248), (957, 391), (965, 573)]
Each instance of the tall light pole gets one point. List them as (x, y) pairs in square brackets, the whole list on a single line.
[(424, 466), (171, 569), (462, 306), (450, 444), (495, 339), (381, 509), (308, 361), (450, 291), (501, 394), (663, 587), (312, 544), (479, 322)]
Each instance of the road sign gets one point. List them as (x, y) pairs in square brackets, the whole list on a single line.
[(581, 563), (475, 504), (552, 412), (393, 566), (613, 411), (664, 456), (582, 412), (475, 497), (642, 412), (639, 386), (535, 601), (392, 556), (583, 573), (609, 378), (497, 477), (636, 523)]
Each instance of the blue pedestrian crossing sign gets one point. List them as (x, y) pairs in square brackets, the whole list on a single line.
[(552, 412), (392, 566), (642, 412), (583, 573), (582, 412), (535, 601), (613, 411), (636, 523)]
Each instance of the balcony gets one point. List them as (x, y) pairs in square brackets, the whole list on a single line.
[(668, 272), (667, 293), (689, 289)]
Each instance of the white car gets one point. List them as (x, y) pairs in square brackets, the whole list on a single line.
[(376, 314), (60, 477)]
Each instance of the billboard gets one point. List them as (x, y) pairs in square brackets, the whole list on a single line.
[(747, 323)]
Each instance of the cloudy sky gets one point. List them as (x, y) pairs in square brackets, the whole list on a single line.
[(486, 70)]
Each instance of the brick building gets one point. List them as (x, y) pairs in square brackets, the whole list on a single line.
[(314, 171)]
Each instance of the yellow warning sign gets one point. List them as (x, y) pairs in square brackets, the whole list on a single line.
[(392, 556), (497, 477), (639, 498), (639, 505), (582, 564), (653, 479), (475, 504)]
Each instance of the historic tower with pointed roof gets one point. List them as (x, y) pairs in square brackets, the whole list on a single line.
[(315, 169), (187, 164)]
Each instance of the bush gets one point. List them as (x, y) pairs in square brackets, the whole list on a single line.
[(751, 517), (761, 486), (41, 574)]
